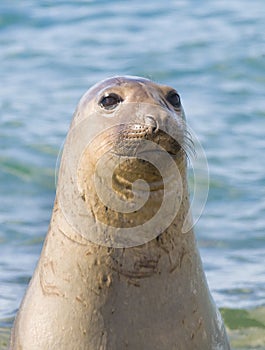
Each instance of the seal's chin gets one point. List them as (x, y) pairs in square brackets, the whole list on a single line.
[(133, 169)]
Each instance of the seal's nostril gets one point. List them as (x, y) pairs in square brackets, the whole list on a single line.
[(151, 123)]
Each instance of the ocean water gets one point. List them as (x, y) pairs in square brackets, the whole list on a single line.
[(212, 52)]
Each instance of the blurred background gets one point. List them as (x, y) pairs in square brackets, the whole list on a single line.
[(213, 53)]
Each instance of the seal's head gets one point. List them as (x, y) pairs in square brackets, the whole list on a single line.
[(151, 109), (129, 140)]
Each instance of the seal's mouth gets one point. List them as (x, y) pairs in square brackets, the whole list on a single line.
[(134, 139)]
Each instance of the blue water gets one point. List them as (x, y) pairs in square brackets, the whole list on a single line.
[(212, 52)]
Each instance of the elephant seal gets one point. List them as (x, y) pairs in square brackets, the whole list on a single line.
[(117, 271)]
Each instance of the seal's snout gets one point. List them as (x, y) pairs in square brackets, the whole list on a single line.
[(148, 128), (151, 124)]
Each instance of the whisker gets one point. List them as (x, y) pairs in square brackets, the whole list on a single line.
[(110, 141), (188, 145)]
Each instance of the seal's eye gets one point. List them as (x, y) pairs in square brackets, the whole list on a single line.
[(174, 99), (110, 101)]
